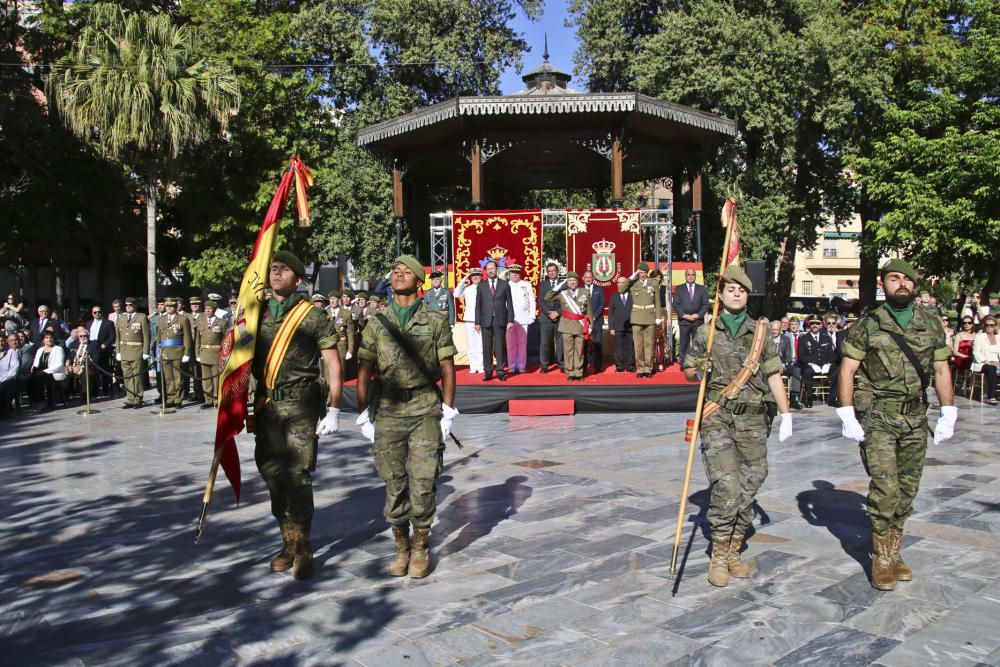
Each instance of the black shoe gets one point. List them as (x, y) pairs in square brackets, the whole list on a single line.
[(619, 369), (544, 369), (501, 376), (795, 405), (206, 406), (631, 369), (809, 404), (138, 405), (127, 406), (488, 376)]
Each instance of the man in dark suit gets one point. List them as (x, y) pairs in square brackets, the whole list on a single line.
[(785, 346), (41, 323), (817, 354), (102, 338), (548, 321), (691, 304), (597, 302), (620, 328), (494, 315)]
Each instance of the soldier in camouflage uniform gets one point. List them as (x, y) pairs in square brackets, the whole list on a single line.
[(734, 438), (647, 309), (173, 335), (440, 298), (891, 402), (208, 334), (404, 414), (286, 414), (132, 343), (575, 305)]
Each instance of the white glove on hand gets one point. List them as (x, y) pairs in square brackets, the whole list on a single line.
[(330, 423), (118, 356), (852, 428), (448, 414), (946, 424), (561, 286), (659, 322), (198, 359), (145, 357), (634, 276), (348, 356), (185, 359), (784, 426), (367, 428)]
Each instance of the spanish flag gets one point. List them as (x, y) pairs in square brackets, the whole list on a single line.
[(729, 218), (238, 346)]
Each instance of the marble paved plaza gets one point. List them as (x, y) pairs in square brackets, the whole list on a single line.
[(552, 545)]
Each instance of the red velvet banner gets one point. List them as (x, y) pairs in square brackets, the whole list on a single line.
[(604, 241), (507, 237)]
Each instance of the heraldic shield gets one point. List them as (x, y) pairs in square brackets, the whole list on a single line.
[(603, 260)]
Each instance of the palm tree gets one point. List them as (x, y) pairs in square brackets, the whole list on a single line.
[(136, 86)]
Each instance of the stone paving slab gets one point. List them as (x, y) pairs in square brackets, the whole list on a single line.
[(552, 546)]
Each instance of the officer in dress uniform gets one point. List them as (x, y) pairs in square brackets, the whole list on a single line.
[(467, 289), (522, 295), (194, 368), (646, 316), (132, 343), (208, 334), (574, 320), (174, 338), (440, 298)]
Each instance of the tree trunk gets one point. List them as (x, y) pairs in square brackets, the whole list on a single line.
[(151, 239), (993, 281), (781, 285), (868, 271)]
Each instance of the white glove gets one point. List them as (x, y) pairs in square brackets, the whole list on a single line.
[(118, 356), (367, 428), (946, 424), (348, 356), (448, 414), (658, 322), (852, 428), (634, 276), (198, 359), (330, 423), (145, 357), (560, 286), (185, 359), (784, 426)]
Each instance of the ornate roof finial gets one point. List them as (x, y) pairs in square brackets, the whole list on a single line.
[(545, 56)]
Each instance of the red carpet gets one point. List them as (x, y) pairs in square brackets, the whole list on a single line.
[(534, 378)]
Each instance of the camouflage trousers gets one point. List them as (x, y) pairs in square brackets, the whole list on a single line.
[(408, 458), (734, 451), (286, 456), (893, 454)]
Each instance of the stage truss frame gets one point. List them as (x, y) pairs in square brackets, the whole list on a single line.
[(656, 235)]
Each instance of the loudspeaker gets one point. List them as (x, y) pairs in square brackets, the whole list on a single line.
[(757, 271)]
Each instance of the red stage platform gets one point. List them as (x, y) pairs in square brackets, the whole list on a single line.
[(608, 391)]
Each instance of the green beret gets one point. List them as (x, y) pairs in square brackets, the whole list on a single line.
[(953, 314), (995, 295), (735, 274), (362, 295), (348, 293), (375, 298), (211, 303), (291, 261), (642, 266), (412, 263), (900, 266), (131, 300), (334, 294), (572, 274)]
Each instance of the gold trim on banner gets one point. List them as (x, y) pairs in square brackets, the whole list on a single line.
[(629, 221), (474, 225), (576, 222)]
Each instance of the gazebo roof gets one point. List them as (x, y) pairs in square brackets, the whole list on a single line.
[(547, 136)]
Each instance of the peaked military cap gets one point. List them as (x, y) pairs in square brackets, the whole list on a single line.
[(195, 300), (900, 266), (169, 301), (131, 299), (735, 274), (214, 297), (211, 303), (572, 274), (318, 297), (291, 261), (475, 271), (514, 268), (436, 274)]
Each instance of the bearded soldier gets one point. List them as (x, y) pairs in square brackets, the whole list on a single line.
[(408, 348), (896, 348), (293, 337), (744, 384)]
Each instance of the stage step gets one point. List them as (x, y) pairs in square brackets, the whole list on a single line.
[(543, 407)]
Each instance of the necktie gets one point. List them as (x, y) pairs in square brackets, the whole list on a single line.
[(493, 288), (624, 300), (691, 291)]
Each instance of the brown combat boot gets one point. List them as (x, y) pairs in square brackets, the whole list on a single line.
[(883, 577), (283, 560), (737, 568), (420, 555), (302, 565), (900, 570), (718, 568), (400, 566)]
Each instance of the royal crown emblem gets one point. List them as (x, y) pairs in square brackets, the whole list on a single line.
[(496, 254), (603, 263)]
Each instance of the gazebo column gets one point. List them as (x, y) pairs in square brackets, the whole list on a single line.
[(476, 163), (696, 210), (397, 203), (617, 181)]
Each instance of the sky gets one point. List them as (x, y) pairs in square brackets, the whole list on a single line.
[(562, 44)]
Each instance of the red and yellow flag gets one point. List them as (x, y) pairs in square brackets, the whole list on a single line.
[(729, 218), (238, 346)]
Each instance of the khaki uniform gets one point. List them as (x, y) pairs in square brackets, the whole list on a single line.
[(286, 416), (892, 409), (570, 329), (646, 309), (193, 367), (208, 335), (406, 412), (132, 341), (175, 342)]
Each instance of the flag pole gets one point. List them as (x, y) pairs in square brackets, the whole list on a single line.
[(207, 497), (696, 427)]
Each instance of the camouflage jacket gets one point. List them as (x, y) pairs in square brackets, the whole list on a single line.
[(728, 354), (430, 334), (301, 365), (885, 372)]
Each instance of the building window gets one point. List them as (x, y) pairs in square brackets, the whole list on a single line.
[(857, 249), (829, 247), (807, 288)]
